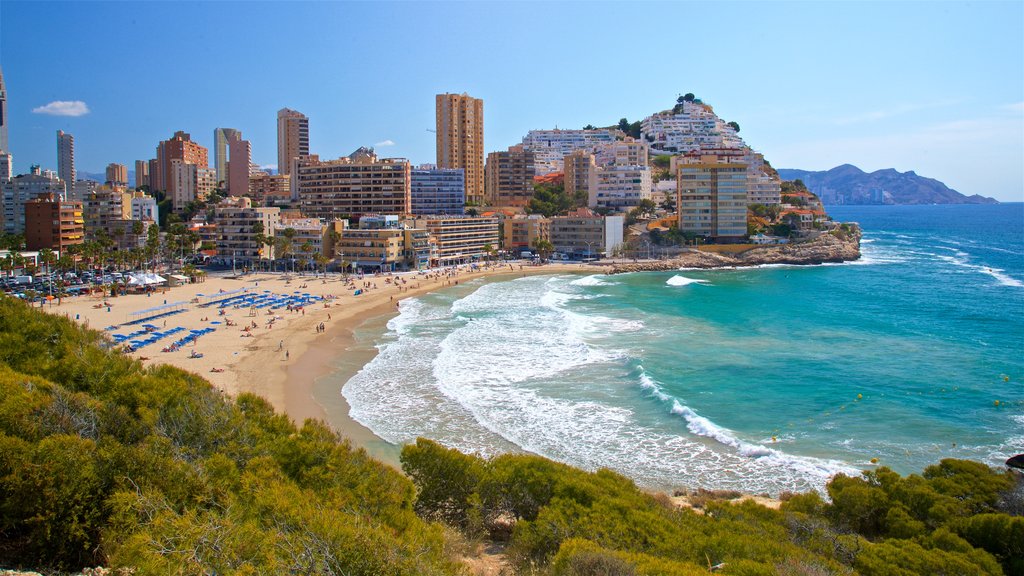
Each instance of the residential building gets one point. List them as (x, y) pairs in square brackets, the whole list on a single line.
[(144, 207), (550, 147), (129, 234), (141, 173), (152, 173), (117, 175), (104, 205), (182, 149), (5, 145), (292, 138), (309, 232), (689, 126), (82, 190), (578, 166), (383, 243), (510, 177), (619, 187), (6, 166), (520, 233), (625, 152), (238, 165), (269, 189), (438, 190), (236, 224), (584, 234), (352, 186), (17, 191), (66, 159), (221, 137), (461, 239), (460, 140), (712, 194), (53, 223)]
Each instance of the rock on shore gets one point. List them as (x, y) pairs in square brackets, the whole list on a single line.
[(825, 248)]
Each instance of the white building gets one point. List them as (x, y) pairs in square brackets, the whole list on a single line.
[(550, 147), (145, 208), (619, 187), (695, 126), (626, 152), (18, 190)]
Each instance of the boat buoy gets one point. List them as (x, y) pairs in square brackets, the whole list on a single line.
[(995, 403), (860, 396), (774, 439), (874, 460), (1006, 378)]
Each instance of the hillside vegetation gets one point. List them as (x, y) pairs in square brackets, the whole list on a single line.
[(105, 462)]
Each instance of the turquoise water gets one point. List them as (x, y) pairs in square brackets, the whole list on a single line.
[(763, 379)]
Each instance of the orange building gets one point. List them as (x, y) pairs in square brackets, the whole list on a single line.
[(179, 147), (53, 223)]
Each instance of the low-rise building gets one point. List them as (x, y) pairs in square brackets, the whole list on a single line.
[(619, 187), (308, 237), (383, 244), (270, 189), (144, 207), (459, 240), (438, 191), (582, 234), (103, 206), (53, 223), (520, 234), (626, 152)]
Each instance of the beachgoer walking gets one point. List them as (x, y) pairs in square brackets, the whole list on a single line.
[(286, 355), (280, 345)]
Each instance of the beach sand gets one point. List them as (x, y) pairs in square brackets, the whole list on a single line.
[(284, 362)]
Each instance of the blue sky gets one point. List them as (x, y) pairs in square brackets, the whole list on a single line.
[(937, 88)]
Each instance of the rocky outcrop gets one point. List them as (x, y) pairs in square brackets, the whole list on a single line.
[(826, 248)]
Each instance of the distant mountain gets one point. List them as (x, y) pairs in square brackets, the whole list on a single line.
[(848, 184), (101, 176)]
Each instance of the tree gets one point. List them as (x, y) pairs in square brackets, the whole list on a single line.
[(734, 126), (549, 200), (689, 97), (542, 247), (590, 127)]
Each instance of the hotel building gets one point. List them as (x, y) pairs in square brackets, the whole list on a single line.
[(66, 159), (712, 194), (438, 191), (17, 191), (459, 240), (583, 234), (352, 186), (519, 234), (510, 177), (619, 187), (235, 219), (53, 223), (292, 138), (460, 140)]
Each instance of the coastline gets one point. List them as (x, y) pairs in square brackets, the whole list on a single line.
[(284, 361)]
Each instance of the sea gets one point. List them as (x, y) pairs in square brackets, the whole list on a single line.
[(763, 380)]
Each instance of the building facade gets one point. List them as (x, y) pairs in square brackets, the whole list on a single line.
[(6, 166), (181, 150), (5, 145), (53, 223), (460, 140), (625, 152), (103, 206), (292, 138), (578, 167), (438, 191), (619, 187), (550, 147), (221, 137), (352, 186), (520, 234), (270, 189), (383, 244), (144, 207), (510, 177), (713, 197), (66, 159), (238, 165), (582, 234), (236, 231), (690, 126), (17, 191), (459, 240), (141, 173)]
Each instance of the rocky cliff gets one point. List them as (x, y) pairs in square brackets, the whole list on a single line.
[(825, 248)]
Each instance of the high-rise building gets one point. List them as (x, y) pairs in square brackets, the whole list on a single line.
[(460, 140), (103, 206), (141, 173), (221, 138), (117, 175), (152, 173), (238, 165), (66, 158), (292, 138), (713, 197), (352, 186), (578, 166), (181, 183), (510, 177), (4, 144), (438, 191), (53, 223), (236, 238), (6, 166), (619, 187), (270, 189)]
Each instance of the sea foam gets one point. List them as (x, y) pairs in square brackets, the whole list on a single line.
[(678, 280)]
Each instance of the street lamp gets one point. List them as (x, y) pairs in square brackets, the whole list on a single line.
[(589, 251)]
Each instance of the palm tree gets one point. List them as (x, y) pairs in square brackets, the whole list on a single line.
[(306, 248), (489, 250), (543, 247)]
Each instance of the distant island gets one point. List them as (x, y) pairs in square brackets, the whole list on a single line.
[(848, 184)]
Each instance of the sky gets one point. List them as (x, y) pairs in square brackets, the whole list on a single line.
[(934, 87)]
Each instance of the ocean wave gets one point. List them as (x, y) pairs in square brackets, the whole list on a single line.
[(592, 280), (678, 280), (960, 260)]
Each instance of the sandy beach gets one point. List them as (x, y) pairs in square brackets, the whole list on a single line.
[(283, 356)]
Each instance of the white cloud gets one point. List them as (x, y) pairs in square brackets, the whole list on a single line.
[(1016, 107), (384, 143), (63, 108)]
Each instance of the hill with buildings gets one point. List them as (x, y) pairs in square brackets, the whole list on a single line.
[(848, 184)]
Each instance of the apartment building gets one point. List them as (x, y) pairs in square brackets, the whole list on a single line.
[(66, 159), (6, 166), (712, 194), (583, 234), (104, 205), (550, 147), (690, 126), (460, 140), (141, 173), (619, 187), (578, 166), (144, 207), (383, 244), (189, 182), (236, 219), (179, 147), (510, 177), (626, 152), (117, 175), (459, 240), (352, 186), (310, 236), (238, 165), (438, 191), (221, 137), (53, 223), (520, 233), (17, 191), (270, 189), (292, 138)]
